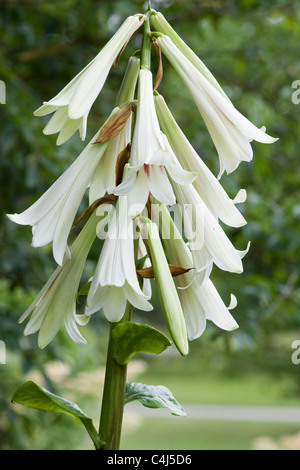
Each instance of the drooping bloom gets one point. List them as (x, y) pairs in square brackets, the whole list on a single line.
[(203, 231), (56, 303), (104, 178), (170, 302), (52, 215), (115, 279), (163, 26), (230, 131), (209, 188), (150, 162), (200, 302), (72, 105)]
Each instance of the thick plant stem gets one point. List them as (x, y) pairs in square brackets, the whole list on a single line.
[(113, 395)]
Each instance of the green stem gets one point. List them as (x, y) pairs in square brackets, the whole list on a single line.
[(113, 395), (92, 433), (146, 44)]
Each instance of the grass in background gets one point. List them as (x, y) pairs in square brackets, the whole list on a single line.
[(182, 434), (266, 377)]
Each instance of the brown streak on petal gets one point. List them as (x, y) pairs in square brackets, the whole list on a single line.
[(148, 207), (116, 62), (122, 159), (116, 123), (52, 283), (160, 70), (109, 199), (148, 273), (126, 44)]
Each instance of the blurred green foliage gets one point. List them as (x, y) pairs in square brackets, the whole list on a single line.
[(252, 48)]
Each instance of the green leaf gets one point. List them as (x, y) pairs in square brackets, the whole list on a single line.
[(153, 396), (34, 396), (131, 338)]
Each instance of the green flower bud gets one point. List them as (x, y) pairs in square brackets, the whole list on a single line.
[(168, 295)]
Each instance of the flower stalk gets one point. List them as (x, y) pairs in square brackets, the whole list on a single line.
[(113, 394), (146, 44)]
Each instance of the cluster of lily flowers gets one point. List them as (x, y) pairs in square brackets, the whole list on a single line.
[(137, 168)]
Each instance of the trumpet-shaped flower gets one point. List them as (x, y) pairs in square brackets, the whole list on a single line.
[(115, 279), (104, 179), (72, 105), (150, 162), (211, 191), (163, 26), (52, 215), (56, 303), (230, 131), (199, 302), (207, 240)]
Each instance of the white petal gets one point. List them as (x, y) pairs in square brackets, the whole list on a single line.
[(45, 109), (181, 176), (194, 314), (58, 120), (115, 304), (72, 330), (127, 185), (215, 308), (69, 129), (233, 302), (138, 196), (147, 139), (226, 257), (160, 186), (240, 197), (243, 253), (161, 158), (138, 300)]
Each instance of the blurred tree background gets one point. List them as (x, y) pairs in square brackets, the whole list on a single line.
[(252, 47)]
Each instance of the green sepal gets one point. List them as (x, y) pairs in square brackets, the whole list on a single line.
[(131, 338), (34, 396), (153, 396)]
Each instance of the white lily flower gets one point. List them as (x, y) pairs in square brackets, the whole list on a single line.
[(52, 215), (207, 239), (56, 303), (150, 162), (163, 26), (104, 180), (200, 302), (231, 132), (115, 279), (211, 191), (72, 105)]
